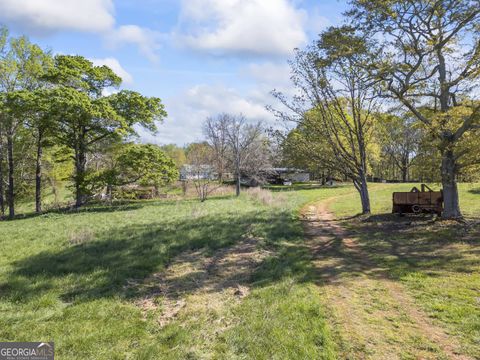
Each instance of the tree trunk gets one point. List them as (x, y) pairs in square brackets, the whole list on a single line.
[(184, 187), (80, 197), (80, 170), (238, 176), (109, 193), (237, 184), (404, 174), (11, 181), (54, 190), (221, 170), (38, 174), (2, 199), (362, 188), (365, 197), (405, 169), (450, 189)]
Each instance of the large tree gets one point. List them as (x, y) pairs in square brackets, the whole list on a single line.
[(2, 154), (307, 147), (85, 116), (246, 147), (337, 99), (35, 110), (43, 125), (143, 164), (22, 67), (428, 59), (215, 132), (238, 145)]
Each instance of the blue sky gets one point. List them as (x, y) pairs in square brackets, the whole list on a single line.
[(201, 57)]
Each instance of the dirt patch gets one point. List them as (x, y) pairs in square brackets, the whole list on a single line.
[(373, 316), (195, 280)]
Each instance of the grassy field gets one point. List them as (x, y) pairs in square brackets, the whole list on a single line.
[(181, 280), (381, 197), (438, 263)]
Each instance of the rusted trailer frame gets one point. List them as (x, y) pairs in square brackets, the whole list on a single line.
[(418, 201)]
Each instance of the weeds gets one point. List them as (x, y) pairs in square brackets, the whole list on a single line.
[(82, 236), (266, 197)]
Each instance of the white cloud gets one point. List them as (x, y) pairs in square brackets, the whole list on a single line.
[(145, 39), (114, 64), (274, 74), (216, 99), (46, 16), (188, 110), (253, 27)]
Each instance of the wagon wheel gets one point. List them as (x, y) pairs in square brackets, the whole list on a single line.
[(416, 209)]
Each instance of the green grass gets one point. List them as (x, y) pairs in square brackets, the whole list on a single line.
[(381, 199), (64, 277), (438, 263), (284, 321), (64, 196)]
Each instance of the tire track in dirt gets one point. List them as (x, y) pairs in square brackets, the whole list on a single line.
[(372, 316)]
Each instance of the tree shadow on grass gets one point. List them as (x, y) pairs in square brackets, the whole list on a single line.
[(381, 246), (474, 191), (417, 244), (103, 267), (105, 207), (300, 187), (92, 208)]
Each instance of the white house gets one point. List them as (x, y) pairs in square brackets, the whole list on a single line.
[(198, 172)]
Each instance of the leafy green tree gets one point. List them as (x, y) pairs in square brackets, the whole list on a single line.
[(57, 167), (428, 60), (2, 154), (22, 67), (35, 108), (85, 116), (399, 138), (143, 164), (176, 153), (335, 89), (425, 164), (43, 125), (147, 165), (306, 147), (24, 160)]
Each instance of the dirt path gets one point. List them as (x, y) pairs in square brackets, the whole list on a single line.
[(372, 316), (196, 283)]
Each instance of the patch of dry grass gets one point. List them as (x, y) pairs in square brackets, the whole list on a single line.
[(81, 236), (266, 197)]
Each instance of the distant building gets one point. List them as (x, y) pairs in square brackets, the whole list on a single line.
[(198, 172), (280, 175)]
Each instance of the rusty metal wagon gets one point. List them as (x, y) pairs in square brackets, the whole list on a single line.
[(418, 201)]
